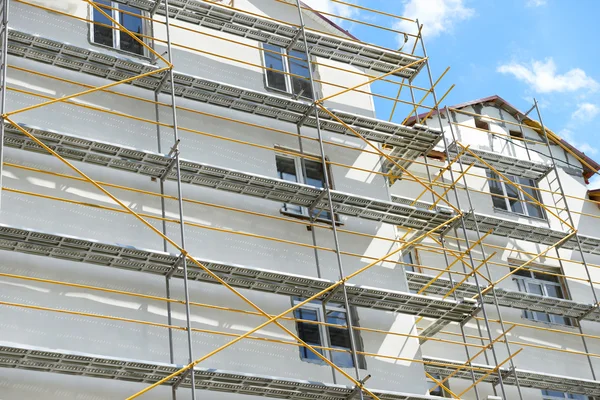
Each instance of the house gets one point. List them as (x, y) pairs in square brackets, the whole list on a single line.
[(168, 187)]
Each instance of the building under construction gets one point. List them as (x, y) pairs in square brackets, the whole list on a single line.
[(200, 201)]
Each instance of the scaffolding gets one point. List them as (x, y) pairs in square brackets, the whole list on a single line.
[(449, 220)]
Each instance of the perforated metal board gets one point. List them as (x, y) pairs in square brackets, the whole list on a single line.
[(503, 163), (526, 378), (506, 298), (408, 142), (278, 33), (147, 372), (135, 259), (155, 165), (516, 230), (531, 233)]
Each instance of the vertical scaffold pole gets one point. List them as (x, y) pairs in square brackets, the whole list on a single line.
[(3, 74), (462, 221), (327, 188), (180, 201), (163, 211), (572, 222)]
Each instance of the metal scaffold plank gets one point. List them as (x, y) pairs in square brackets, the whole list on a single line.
[(155, 262), (516, 230), (506, 298), (242, 24), (155, 165), (505, 164), (536, 380), (97, 366), (407, 142)]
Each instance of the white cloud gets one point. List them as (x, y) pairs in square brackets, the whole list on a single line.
[(586, 112), (585, 147), (536, 3), (542, 76), (328, 6), (436, 16)]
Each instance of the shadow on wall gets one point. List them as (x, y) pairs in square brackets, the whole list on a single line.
[(214, 68)]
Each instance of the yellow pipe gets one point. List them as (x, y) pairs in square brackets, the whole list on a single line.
[(395, 70), (490, 372), (387, 157), (527, 263), (183, 251)]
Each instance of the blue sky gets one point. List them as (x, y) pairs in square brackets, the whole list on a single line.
[(518, 49)]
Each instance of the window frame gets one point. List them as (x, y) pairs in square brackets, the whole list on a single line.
[(494, 178), (116, 33), (523, 286), (323, 215), (565, 395), (444, 394), (286, 73), (321, 310), (411, 257)]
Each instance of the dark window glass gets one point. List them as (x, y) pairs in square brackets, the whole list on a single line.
[(315, 177), (134, 25), (286, 170), (340, 339), (496, 189), (274, 61), (308, 332), (103, 34), (513, 196), (300, 86), (533, 210), (407, 258)]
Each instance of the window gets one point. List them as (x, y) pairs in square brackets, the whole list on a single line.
[(554, 395), (543, 284), (126, 16), (481, 124), (290, 169), (438, 391), (408, 258), (281, 63), (516, 134), (508, 198), (326, 336)]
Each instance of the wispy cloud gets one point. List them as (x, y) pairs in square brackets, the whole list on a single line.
[(330, 7), (542, 77), (586, 112), (536, 3), (436, 16), (583, 146)]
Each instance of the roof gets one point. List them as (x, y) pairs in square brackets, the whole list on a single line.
[(590, 167)]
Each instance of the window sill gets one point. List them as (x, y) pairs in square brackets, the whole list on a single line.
[(307, 218), (123, 52), (287, 94), (515, 214)]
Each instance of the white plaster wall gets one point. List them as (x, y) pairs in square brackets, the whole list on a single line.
[(567, 353), (230, 237)]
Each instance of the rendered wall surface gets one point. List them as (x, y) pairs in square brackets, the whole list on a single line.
[(217, 234)]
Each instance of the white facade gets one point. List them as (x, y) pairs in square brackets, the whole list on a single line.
[(219, 136), (568, 355)]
